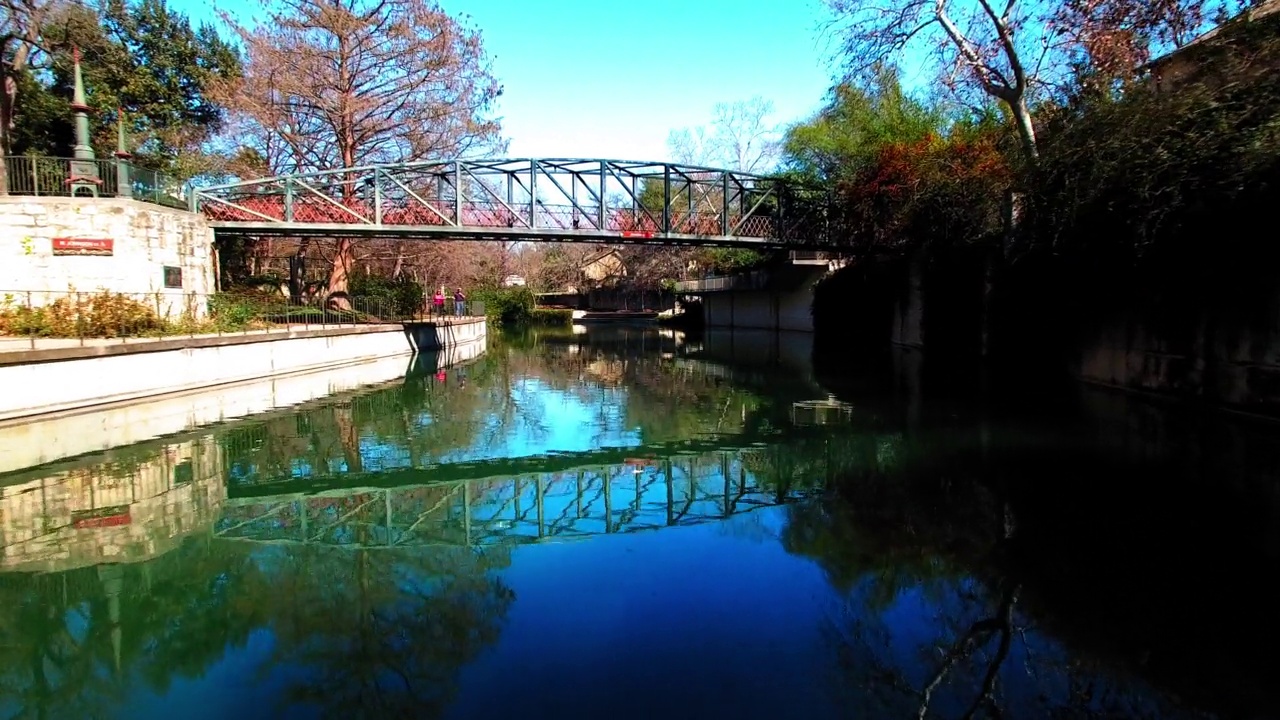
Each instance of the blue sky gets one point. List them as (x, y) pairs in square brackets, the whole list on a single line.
[(611, 78)]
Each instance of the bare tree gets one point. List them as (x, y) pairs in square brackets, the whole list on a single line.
[(20, 25), (999, 47), (334, 84), (1115, 38), (1010, 50), (739, 137)]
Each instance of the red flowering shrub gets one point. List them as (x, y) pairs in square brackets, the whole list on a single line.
[(936, 191)]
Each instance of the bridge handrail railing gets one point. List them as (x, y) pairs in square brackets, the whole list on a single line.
[(45, 176)]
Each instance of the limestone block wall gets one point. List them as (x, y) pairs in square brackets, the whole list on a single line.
[(116, 510), (145, 239)]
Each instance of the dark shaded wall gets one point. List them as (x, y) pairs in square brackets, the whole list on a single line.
[(1208, 339)]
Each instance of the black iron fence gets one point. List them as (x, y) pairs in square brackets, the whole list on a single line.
[(59, 316), (35, 175)]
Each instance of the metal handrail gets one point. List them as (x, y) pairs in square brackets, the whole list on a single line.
[(44, 176)]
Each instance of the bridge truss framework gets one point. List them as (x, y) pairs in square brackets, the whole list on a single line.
[(562, 200), (561, 506)]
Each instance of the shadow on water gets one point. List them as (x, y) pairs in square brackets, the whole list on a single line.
[(637, 508), (1136, 535)]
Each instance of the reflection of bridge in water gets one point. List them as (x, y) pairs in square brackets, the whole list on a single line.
[(563, 502)]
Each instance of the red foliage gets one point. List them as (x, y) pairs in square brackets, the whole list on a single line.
[(918, 192)]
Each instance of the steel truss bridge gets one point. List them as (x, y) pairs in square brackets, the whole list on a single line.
[(558, 200), (560, 505)]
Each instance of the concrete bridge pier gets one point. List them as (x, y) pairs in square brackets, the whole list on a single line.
[(445, 333), (776, 299)]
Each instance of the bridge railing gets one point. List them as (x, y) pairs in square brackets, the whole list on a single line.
[(50, 316), (40, 176), (526, 197)]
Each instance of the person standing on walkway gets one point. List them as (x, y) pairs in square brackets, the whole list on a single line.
[(459, 302), (437, 302)]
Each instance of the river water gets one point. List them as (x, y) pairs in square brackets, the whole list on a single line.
[(639, 523)]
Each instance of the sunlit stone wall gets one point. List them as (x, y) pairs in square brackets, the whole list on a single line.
[(144, 239)]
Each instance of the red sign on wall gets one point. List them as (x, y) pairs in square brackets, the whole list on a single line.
[(83, 246), (100, 517)]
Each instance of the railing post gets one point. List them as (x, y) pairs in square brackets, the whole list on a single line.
[(603, 212), (377, 196), (689, 216), (533, 194), (35, 175), (666, 199), (124, 185), (288, 199), (457, 192), (724, 205)]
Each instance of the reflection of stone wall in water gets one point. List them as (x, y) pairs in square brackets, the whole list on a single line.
[(111, 512)]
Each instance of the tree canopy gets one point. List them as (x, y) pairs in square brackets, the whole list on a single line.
[(140, 58), (1015, 52), (338, 83)]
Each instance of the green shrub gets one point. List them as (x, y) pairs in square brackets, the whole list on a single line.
[(402, 296), (231, 312), (508, 306), (104, 314), (551, 316)]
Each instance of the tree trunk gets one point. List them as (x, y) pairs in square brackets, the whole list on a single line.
[(344, 259), (399, 266), (1026, 128), (6, 125), (340, 277), (297, 271)]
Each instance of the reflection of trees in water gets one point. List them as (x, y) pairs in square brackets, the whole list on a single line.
[(403, 424), (423, 419), (935, 620), (74, 641), (365, 632), (384, 633), (666, 399)]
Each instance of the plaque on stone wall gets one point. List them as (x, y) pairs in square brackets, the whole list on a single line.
[(172, 276), (100, 517), (83, 246)]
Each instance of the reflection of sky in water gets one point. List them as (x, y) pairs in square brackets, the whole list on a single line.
[(536, 419), (541, 420), (713, 620), (548, 420)]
